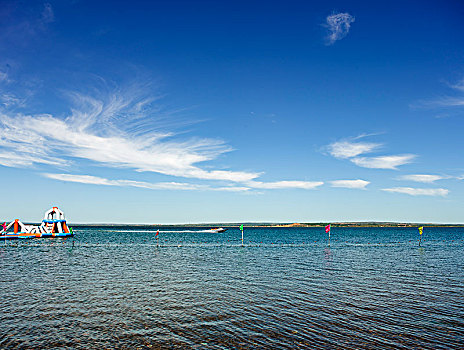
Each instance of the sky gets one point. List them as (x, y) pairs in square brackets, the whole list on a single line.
[(164, 112)]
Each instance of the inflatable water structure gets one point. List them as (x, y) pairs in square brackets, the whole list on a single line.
[(53, 226)]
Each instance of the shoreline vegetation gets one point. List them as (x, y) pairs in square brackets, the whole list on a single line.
[(277, 225)]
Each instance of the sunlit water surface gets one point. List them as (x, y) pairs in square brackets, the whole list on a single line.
[(285, 288)]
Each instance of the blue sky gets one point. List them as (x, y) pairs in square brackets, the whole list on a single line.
[(207, 111)]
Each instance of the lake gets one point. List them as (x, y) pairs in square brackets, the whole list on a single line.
[(285, 288)]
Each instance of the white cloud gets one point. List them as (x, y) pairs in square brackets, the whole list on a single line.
[(418, 191), (120, 130), (21, 160), (459, 85), (352, 150), (306, 185), (230, 189), (338, 25), (355, 184), (452, 100), (441, 102), (383, 162), (94, 132), (348, 149), (94, 180), (424, 178), (10, 100)]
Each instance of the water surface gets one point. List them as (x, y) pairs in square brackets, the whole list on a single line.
[(285, 288)]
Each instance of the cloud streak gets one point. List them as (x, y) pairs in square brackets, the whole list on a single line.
[(95, 180), (93, 132), (418, 191), (383, 162), (456, 99), (352, 151), (119, 130), (306, 185), (347, 149), (354, 184), (424, 178), (338, 26), (441, 102)]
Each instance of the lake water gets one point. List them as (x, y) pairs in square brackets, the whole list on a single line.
[(285, 288)]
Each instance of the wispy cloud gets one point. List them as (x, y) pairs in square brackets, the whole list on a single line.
[(352, 150), (424, 178), (354, 184), (9, 100), (338, 26), (306, 185), (348, 149), (459, 85), (93, 132), (95, 180), (419, 191), (119, 130), (454, 99), (383, 162), (440, 102), (27, 157)]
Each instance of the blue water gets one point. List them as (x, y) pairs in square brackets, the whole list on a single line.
[(285, 288)]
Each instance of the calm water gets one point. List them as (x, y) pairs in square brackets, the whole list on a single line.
[(114, 288)]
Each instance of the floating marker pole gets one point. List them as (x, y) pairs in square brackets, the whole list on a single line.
[(72, 235), (420, 234), (327, 230), (157, 238), (241, 229)]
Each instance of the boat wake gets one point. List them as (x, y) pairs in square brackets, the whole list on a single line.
[(166, 231)]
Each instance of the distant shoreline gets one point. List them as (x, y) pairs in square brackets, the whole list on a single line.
[(276, 225)]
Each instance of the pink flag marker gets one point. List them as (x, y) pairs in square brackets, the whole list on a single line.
[(327, 230)]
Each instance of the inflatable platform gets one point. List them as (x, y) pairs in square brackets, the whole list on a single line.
[(53, 226)]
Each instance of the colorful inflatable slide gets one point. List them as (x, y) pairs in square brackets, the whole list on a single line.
[(53, 226)]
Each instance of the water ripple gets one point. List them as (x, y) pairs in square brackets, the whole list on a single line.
[(285, 289)]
